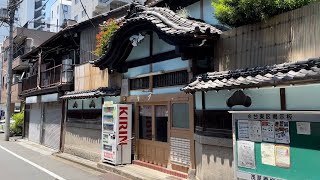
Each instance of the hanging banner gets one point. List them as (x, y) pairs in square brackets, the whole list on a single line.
[(246, 154), (243, 129), (75, 104), (92, 103)]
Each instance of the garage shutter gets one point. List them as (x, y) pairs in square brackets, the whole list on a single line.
[(34, 124), (52, 124)]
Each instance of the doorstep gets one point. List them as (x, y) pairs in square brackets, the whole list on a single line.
[(130, 171)]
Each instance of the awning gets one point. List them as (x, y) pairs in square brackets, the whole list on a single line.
[(281, 74), (103, 91)]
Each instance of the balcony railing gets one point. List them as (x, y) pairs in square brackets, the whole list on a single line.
[(51, 77), (55, 76), (29, 83)]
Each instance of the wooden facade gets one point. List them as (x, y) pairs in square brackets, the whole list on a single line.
[(88, 77), (288, 37)]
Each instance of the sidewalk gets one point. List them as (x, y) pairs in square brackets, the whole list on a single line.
[(130, 171)]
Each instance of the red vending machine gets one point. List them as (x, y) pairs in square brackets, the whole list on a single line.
[(116, 133)]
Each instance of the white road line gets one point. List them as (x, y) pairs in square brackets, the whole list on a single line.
[(33, 164)]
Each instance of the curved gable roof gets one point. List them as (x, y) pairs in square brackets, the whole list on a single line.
[(170, 27)]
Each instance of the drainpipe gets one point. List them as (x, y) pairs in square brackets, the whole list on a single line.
[(39, 70)]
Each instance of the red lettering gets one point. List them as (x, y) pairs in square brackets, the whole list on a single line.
[(124, 126), (123, 132), (123, 118), (123, 139), (123, 110)]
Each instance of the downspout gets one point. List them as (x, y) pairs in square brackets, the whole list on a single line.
[(39, 70)]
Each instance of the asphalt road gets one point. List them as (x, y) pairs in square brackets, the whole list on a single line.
[(20, 163)]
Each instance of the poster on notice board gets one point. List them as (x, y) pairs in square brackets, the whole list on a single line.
[(246, 154), (282, 131)]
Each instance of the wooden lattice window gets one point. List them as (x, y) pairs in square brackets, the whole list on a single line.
[(171, 79), (139, 83)]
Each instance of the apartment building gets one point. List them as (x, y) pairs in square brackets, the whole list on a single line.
[(60, 12), (31, 14), (95, 7)]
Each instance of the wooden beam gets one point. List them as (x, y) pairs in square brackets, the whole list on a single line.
[(153, 59), (201, 9), (283, 99)]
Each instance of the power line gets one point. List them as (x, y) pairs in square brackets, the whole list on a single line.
[(87, 13)]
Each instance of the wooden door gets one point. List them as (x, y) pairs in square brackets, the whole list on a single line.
[(153, 146)]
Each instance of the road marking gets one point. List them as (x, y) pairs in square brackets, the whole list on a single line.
[(33, 164)]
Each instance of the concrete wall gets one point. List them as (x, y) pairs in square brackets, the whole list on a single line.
[(214, 158), (83, 140), (59, 11)]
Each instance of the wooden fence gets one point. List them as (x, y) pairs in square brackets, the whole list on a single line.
[(288, 37)]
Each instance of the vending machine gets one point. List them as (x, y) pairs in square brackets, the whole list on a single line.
[(116, 133)]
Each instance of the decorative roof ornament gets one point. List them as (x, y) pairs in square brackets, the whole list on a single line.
[(136, 39)]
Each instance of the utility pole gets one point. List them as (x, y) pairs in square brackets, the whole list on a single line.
[(11, 12)]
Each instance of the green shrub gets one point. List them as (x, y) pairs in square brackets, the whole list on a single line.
[(236, 13), (16, 127)]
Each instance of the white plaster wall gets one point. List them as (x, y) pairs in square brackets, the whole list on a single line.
[(64, 12), (26, 13), (303, 97)]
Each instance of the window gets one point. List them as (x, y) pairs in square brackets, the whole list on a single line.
[(215, 123), (171, 79), (76, 18), (76, 1), (58, 9), (83, 13), (145, 122), (51, 14), (139, 83), (180, 115), (161, 123)]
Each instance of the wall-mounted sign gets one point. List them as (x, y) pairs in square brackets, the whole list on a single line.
[(94, 103), (50, 97), (75, 104), (32, 99)]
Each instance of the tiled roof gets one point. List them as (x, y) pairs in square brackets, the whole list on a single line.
[(169, 22), (287, 73), (170, 27), (103, 91)]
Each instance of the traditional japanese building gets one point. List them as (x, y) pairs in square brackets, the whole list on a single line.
[(158, 52)]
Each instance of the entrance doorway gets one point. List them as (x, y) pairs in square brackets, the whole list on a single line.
[(153, 134)]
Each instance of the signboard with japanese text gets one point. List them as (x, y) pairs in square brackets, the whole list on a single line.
[(285, 145)]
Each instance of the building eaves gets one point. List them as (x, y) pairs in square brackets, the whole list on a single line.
[(100, 92), (169, 26), (281, 74), (78, 27)]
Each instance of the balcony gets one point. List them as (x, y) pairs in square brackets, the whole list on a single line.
[(57, 76), (18, 64), (29, 83)]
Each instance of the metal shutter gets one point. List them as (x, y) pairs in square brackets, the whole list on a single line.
[(52, 124), (35, 123)]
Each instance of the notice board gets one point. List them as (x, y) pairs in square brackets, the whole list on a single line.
[(279, 145)]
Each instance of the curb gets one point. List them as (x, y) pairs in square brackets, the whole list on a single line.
[(75, 160), (104, 168)]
